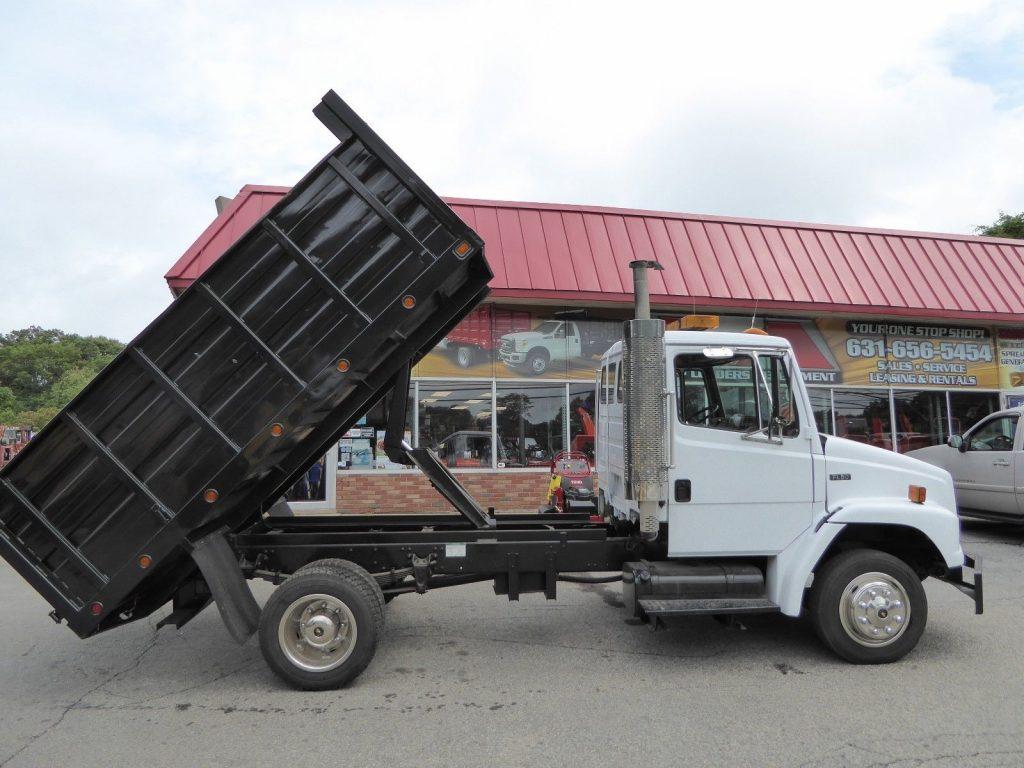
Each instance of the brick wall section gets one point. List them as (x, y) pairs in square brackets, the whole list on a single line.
[(391, 493)]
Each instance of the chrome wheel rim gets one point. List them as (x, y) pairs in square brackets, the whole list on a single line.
[(539, 365), (317, 632), (874, 609)]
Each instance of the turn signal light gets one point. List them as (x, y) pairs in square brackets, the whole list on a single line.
[(917, 494), (408, 301), (210, 495), (462, 248)]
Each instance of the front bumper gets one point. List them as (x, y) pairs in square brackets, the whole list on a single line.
[(973, 589), (512, 358)]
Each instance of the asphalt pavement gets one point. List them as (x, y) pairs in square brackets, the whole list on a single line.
[(464, 678)]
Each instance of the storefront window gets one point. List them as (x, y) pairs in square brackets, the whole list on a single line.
[(863, 415), (362, 447), (921, 420), (968, 408), (531, 423), (455, 421), (581, 418), (821, 407)]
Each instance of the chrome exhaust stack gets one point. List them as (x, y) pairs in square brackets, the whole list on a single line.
[(644, 448)]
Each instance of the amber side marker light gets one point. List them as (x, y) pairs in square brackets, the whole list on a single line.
[(145, 561), (210, 495), (462, 248), (408, 301), (276, 429), (700, 322), (917, 494), (343, 365)]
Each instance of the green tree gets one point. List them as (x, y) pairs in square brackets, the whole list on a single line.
[(1007, 225), (41, 369)]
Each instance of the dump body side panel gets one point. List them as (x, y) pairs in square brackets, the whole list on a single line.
[(211, 413)]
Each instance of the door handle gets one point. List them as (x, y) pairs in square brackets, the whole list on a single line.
[(1000, 463)]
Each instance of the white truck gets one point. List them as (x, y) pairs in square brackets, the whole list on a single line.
[(719, 496), (550, 342), (987, 465), (759, 511)]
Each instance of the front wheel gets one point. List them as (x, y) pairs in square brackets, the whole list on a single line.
[(320, 628), (537, 362), (464, 356), (868, 606)]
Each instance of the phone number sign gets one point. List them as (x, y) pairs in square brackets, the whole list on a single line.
[(896, 354)]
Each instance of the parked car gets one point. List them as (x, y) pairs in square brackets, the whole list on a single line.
[(987, 465), (468, 448)]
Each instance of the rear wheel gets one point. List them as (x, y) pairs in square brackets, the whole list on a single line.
[(868, 606), (320, 628)]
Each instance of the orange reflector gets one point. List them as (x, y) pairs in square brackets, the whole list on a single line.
[(917, 494), (277, 429), (462, 248), (343, 365), (700, 322), (408, 301), (210, 495), (145, 561), (757, 331), (95, 608)]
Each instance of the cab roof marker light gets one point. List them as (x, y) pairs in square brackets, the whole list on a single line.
[(718, 352)]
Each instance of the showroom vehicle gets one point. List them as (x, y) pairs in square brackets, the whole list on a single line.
[(160, 482), (475, 338), (987, 465)]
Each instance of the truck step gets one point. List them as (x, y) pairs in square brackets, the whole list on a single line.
[(667, 609)]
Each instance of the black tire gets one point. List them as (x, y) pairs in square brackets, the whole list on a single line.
[(464, 356), (347, 565), (537, 362), (364, 618), (851, 624)]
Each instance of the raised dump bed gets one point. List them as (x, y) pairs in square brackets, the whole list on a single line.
[(216, 408)]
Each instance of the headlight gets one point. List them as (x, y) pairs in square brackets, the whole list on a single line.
[(522, 344)]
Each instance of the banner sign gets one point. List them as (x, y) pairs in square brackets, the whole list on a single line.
[(1011, 358), (891, 353)]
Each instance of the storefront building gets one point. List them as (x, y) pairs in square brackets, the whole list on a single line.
[(903, 337)]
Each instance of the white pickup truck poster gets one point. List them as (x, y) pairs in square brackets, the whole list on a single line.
[(516, 344)]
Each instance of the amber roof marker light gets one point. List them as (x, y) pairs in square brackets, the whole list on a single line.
[(463, 248)]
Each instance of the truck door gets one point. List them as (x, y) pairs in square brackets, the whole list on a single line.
[(738, 487), (984, 471)]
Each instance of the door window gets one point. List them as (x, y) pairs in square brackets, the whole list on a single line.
[(718, 393), (778, 400), (994, 435)]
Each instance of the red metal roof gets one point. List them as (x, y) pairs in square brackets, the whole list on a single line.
[(580, 254)]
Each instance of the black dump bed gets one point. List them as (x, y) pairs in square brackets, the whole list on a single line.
[(215, 409)]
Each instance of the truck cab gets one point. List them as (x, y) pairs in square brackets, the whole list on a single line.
[(752, 490)]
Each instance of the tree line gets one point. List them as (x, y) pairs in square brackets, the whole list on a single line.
[(41, 369)]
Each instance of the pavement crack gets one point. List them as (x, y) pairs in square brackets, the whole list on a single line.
[(77, 702)]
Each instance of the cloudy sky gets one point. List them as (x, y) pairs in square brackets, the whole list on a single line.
[(121, 122)]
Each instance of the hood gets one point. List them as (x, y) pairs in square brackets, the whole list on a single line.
[(860, 470), (519, 335)]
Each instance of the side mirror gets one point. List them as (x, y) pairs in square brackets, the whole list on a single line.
[(957, 441)]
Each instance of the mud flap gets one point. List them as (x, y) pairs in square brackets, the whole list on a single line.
[(219, 566)]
